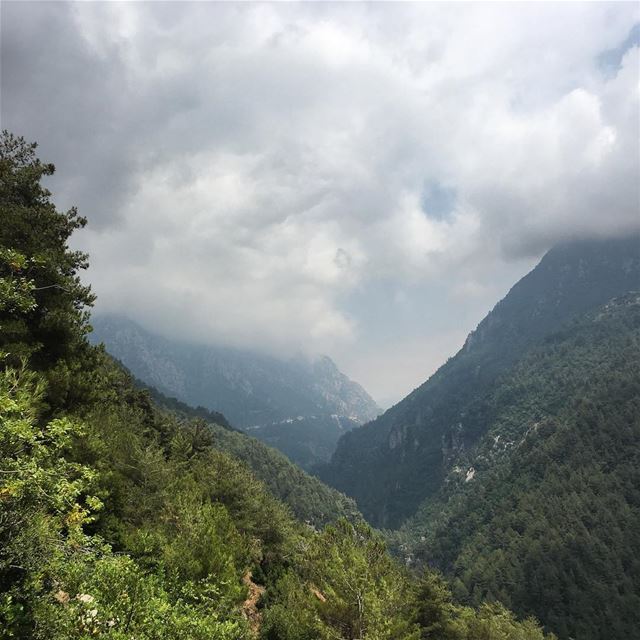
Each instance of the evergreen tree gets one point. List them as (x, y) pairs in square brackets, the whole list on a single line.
[(43, 314)]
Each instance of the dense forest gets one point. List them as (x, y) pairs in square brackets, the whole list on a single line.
[(543, 514), (309, 499), (122, 516)]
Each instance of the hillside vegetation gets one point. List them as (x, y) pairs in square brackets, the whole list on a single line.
[(309, 499), (543, 514)]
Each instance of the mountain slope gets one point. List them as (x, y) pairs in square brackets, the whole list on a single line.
[(543, 514), (247, 387), (250, 389), (309, 499), (393, 463)]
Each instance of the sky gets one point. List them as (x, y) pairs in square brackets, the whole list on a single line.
[(361, 180)]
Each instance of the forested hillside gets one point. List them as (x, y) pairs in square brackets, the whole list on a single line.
[(544, 513), (121, 519), (517, 462), (309, 499), (395, 462)]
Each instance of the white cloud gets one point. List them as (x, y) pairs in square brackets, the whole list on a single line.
[(255, 173)]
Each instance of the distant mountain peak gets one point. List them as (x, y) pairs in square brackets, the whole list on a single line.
[(251, 389)]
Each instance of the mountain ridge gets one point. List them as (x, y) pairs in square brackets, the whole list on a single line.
[(393, 463), (252, 390), (553, 480)]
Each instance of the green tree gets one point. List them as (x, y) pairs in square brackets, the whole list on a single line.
[(43, 306), (435, 612), (42, 494), (348, 588)]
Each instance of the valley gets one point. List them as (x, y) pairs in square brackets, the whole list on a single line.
[(319, 320)]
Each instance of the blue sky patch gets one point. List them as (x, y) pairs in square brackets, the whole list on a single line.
[(610, 60), (438, 201)]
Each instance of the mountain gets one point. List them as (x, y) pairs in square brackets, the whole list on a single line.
[(392, 464), (251, 389), (306, 440), (310, 500), (543, 513)]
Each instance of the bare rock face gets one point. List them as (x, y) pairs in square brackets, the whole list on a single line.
[(452, 445)]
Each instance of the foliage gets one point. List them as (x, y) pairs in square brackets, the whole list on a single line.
[(185, 522), (435, 611), (58, 583), (43, 311), (16, 291), (309, 499), (100, 595), (348, 588), (549, 524), (41, 492), (441, 619)]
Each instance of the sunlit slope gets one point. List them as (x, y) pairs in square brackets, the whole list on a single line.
[(308, 498)]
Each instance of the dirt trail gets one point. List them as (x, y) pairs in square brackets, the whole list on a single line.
[(249, 607)]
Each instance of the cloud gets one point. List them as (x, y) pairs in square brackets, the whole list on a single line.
[(270, 174)]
